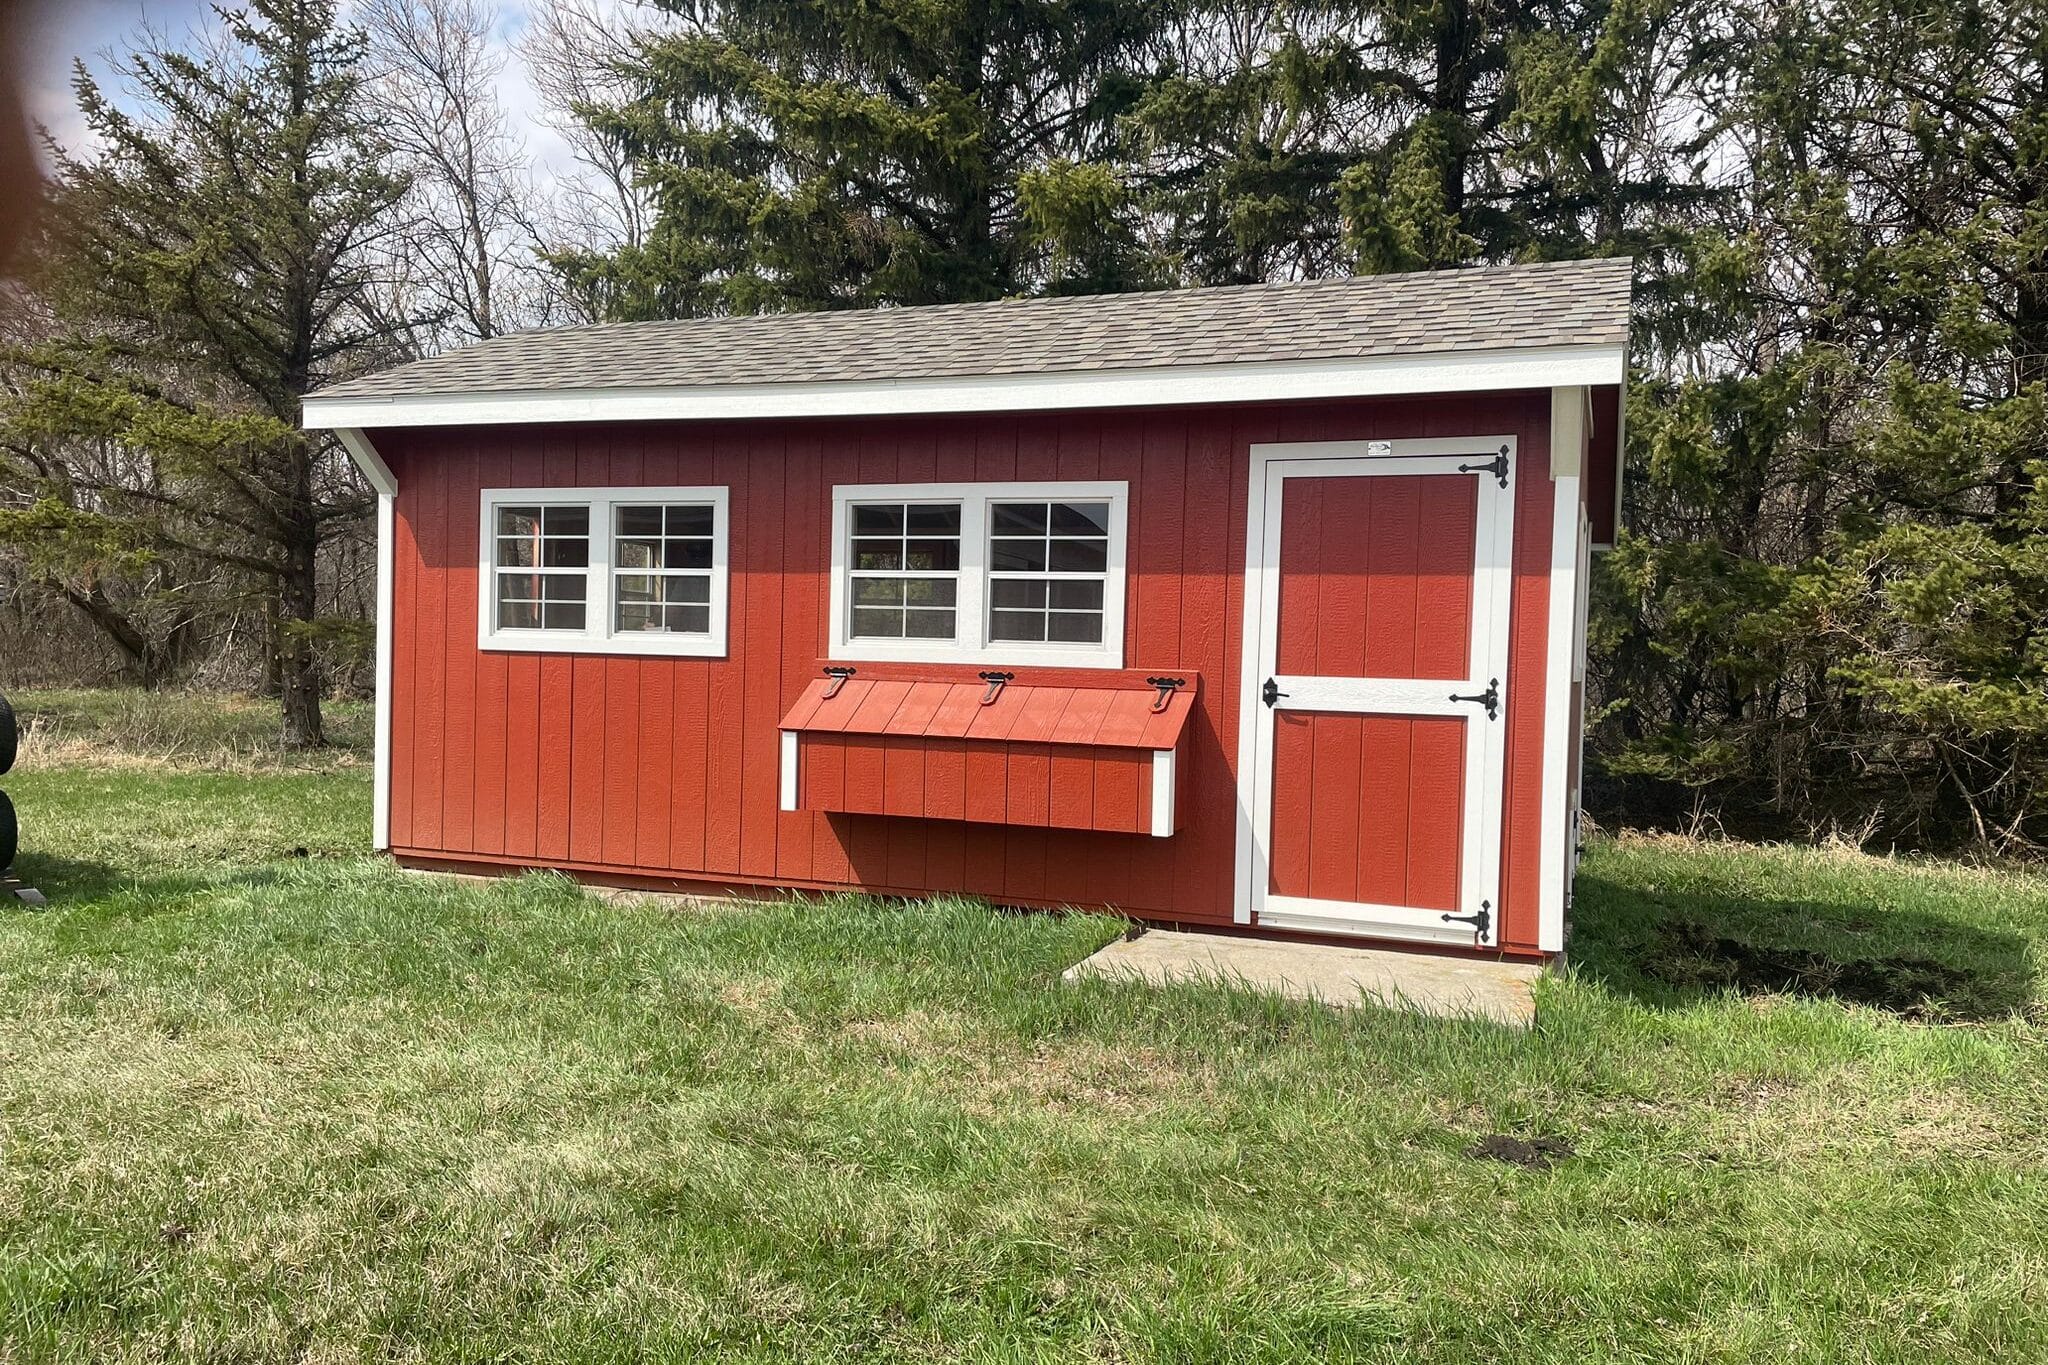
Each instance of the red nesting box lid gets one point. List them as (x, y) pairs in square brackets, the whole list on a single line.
[(1118, 717)]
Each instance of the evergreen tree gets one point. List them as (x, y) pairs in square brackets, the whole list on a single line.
[(206, 268), (848, 153)]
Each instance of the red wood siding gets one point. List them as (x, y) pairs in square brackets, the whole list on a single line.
[(670, 767)]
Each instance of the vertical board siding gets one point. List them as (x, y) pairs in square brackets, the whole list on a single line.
[(670, 766)]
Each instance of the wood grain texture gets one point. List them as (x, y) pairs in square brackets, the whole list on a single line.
[(670, 766)]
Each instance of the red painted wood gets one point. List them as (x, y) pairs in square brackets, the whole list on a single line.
[(710, 726)]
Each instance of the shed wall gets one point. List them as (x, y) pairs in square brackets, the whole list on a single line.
[(668, 768)]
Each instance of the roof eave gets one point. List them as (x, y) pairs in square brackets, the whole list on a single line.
[(1369, 377)]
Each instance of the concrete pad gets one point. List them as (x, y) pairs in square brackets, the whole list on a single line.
[(1449, 986)]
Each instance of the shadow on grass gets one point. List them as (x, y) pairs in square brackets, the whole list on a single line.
[(1671, 948), (70, 881)]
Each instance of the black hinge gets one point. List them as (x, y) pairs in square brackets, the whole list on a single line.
[(1490, 698), (1480, 922), (1271, 692), (838, 677), (1497, 466), (995, 681), (1167, 687)]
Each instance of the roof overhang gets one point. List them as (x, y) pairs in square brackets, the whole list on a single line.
[(1378, 376)]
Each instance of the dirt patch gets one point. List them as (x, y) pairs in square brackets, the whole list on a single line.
[(1911, 986), (1534, 1154)]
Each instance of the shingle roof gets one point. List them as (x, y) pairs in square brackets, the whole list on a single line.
[(1561, 303)]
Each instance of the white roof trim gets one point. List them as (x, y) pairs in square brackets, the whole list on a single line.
[(1452, 372), (366, 458)]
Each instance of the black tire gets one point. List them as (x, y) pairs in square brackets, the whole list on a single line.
[(9, 735), (10, 833)]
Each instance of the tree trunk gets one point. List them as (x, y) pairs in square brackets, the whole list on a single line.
[(298, 603)]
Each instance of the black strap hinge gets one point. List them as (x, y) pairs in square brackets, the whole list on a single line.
[(995, 681), (1497, 466), (1480, 922), (838, 677), (1167, 687), (1490, 698)]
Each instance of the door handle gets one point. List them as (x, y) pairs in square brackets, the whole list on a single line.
[(1271, 692)]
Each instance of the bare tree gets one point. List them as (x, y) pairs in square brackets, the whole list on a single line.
[(469, 245), (574, 51)]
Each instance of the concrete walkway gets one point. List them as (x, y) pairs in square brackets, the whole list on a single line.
[(1449, 986)]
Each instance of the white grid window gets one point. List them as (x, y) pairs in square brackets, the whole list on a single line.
[(604, 570), (1017, 573)]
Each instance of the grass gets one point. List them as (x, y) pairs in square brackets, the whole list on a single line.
[(263, 1098)]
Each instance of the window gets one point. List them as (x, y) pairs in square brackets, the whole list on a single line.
[(610, 571), (1023, 573)]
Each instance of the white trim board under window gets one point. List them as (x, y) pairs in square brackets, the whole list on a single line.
[(1057, 572), (603, 571)]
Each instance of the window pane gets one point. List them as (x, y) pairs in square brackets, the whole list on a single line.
[(1017, 556), (689, 620), (515, 553), (568, 553), (929, 625), (1017, 519), (1080, 556), (1076, 627), (565, 521), (518, 615), (562, 616), (562, 587), (518, 521), (1016, 625), (940, 520), (1080, 518), (640, 521), (521, 587), (638, 554), (690, 519), (689, 588), (885, 520), (1015, 592), (878, 592), (878, 554), (927, 555), (1076, 596), (635, 587), (930, 592), (688, 554), (872, 623)]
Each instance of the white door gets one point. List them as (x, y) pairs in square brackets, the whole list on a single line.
[(1377, 591)]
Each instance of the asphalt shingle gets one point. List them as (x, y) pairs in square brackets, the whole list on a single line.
[(1560, 303)]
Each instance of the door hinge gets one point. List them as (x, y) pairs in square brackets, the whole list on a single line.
[(1271, 692), (1497, 466), (1490, 698), (1480, 922)]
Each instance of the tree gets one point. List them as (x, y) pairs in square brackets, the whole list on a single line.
[(847, 153), (210, 264)]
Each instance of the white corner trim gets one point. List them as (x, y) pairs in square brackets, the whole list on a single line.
[(380, 771), (1373, 376), (366, 458), (1568, 427), (598, 635), (971, 642), (1162, 793), (789, 770), (1561, 640)]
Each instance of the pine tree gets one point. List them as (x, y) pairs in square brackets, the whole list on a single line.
[(207, 267), (848, 153)]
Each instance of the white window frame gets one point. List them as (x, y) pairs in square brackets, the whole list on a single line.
[(971, 642), (599, 635)]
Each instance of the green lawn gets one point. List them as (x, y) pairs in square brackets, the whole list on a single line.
[(265, 1098)]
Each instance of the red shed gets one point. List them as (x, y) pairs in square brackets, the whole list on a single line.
[(1258, 606)]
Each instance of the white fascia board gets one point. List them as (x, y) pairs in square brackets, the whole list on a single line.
[(1378, 376), (366, 458)]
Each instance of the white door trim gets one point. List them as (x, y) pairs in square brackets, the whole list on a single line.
[(1270, 464)]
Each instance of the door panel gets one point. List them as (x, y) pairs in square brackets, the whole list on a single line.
[(1381, 608)]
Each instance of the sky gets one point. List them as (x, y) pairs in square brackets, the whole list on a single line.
[(59, 30)]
